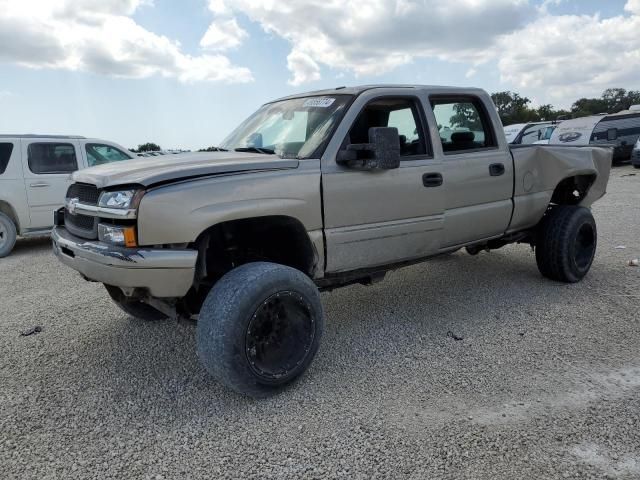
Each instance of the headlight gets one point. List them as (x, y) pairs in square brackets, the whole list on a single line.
[(115, 235), (121, 199)]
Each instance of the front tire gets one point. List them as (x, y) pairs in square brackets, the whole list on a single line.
[(566, 243), (8, 235), (260, 328), (135, 308)]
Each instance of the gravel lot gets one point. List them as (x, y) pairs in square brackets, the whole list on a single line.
[(544, 384)]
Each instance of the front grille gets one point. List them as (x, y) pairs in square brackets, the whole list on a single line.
[(79, 221), (83, 226), (87, 194)]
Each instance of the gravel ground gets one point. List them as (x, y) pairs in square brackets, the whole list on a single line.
[(544, 384)]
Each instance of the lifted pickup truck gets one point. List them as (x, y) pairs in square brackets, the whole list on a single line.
[(317, 191)]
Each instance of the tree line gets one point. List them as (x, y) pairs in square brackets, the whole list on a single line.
[(514, 108)]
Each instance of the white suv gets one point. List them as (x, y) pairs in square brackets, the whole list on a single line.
[(34, 177)]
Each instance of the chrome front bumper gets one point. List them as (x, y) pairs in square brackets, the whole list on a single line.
[(164, 272)]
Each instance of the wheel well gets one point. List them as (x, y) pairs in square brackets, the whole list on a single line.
[(572, 190), (11, 213), (222, 247)]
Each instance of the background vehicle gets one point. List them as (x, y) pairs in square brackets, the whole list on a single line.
[(34, 177), (635, 154), (317, 191), (620, 130), (529, 133)]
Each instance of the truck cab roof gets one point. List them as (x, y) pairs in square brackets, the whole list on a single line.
[(358, 89)]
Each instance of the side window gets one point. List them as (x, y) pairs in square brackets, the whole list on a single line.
[(401, 113), (533, 134), (5, 155), (98, 154), (463, 124), (50, 158)]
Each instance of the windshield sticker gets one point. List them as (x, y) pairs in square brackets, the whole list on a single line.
[(322, 102)]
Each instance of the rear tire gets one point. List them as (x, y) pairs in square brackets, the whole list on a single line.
[(260, 328), (135, 308), (566, 243), (8, 235)]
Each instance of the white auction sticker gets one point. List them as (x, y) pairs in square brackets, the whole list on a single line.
[(321, 102)]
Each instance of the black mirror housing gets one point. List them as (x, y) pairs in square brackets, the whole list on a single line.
[(383, 149)]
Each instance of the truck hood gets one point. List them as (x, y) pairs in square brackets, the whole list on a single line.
[(148, 171)]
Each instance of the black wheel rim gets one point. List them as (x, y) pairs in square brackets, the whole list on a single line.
[(585, 246), (279, 336), (3, 235)]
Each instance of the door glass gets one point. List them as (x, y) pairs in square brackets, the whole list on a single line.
[(5, 155), (51, 158), (533, 134), (462, 125), (98, 154), (400, 113)]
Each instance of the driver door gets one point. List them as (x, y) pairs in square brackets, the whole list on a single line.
[(376, 218)]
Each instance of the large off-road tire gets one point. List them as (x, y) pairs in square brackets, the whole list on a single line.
[(260, 328), (566, 243), (8, 235), (135, 308)]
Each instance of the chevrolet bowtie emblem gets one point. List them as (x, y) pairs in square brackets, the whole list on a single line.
[(71, 205)]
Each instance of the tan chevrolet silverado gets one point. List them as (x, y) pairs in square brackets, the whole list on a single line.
[(313, 192)]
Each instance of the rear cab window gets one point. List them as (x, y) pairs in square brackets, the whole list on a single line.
[(5, 155), (52, 158), (99, 154), (463, 124)]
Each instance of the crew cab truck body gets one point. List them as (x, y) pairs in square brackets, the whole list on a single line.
[(317, 191), (35, 175)]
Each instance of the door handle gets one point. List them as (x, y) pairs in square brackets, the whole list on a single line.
[(496, 169), (432, 179), (39, 184)]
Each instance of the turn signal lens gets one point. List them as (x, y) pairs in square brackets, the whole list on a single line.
[(115, 235)]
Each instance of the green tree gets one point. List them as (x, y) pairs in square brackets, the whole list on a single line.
[(149, 147), (212, 149), (612, 100), (546, 112), (465, 116), (589, 106), (513, 108)]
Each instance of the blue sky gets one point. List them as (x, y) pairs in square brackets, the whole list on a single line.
[(505, 45)]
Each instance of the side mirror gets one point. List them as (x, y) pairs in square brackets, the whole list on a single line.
[(381, 153), (612, 134)]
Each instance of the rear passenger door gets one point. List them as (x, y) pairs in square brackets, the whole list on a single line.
[(478, 170), (47, 165)]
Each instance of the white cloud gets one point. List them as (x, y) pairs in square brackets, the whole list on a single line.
[(552, 55), (571, 55), (99, 36), (376, 36), (303, 67), (633, 6), (223, 35)]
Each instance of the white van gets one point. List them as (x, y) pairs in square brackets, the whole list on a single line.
[(529, 133), (34, 177), (619, 130)]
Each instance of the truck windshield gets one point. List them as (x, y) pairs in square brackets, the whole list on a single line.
[(296, 128)]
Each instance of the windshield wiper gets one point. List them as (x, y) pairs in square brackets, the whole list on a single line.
[(265, 151)]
